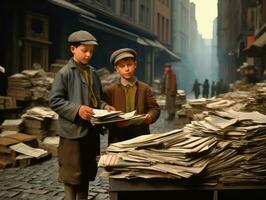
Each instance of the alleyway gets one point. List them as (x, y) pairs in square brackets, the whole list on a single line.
[(39, 182)]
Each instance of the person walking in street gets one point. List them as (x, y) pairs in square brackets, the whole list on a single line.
[(218, 88), (129, 94), (213, 89), (169, 89), (196, 88), (75, 92), (206, 87)]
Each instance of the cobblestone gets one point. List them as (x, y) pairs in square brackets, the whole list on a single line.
[(39, 181)]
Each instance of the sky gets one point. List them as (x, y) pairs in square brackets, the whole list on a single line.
[(206, 11)]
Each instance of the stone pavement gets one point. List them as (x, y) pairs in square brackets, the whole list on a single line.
[(39, 181)]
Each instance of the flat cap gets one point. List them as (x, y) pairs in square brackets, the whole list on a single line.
[(82, 37), (121, 54)]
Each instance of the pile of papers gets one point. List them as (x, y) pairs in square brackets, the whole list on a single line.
[(19, 87), (12, 125), (7, 102), (40, 121), (106, 117), (18, 149), (30, 85), (224, 147)]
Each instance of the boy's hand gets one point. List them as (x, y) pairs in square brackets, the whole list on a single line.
[(85, 112), (148, 119), (109, 108)]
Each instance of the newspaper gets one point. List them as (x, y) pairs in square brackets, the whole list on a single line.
[(27, 150), (106, 117)]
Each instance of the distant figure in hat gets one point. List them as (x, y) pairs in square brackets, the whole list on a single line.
[(196, 88), (75, 92), (206, 88), (129, 94), (169, 89)]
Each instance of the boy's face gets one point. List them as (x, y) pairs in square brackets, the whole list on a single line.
[(82, 53), (126, 68)]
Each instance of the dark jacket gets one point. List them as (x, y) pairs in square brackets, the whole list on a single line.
[(69, 92), (145, 103)]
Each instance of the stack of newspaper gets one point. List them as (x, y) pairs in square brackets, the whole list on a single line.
[(12, 125), (39, 121), (224, 147), (105, 117), (29, 85)]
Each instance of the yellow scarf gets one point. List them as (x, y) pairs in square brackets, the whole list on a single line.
[(85, 71), (130, 89)]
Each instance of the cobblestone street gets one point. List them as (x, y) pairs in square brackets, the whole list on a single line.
[(39, 181)]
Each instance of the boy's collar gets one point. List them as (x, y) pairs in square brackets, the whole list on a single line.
[(75, 64), (125, 82)]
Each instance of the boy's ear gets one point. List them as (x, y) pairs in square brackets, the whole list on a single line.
[(72, 48), (115, 68)]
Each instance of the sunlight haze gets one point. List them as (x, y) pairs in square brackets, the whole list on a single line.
[(206, 12)]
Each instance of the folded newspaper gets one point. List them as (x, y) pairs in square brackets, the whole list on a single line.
[(106, 117)]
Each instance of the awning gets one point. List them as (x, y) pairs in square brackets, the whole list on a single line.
[(258, 47), (173, 55), (72, 7), (107, 27), (126, 34), (160, 46)]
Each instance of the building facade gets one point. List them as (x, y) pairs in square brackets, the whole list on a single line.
[(34, 32), (180, 38), (240, 24)]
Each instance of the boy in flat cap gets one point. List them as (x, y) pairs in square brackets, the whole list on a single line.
[(75, 92), (130, 94)]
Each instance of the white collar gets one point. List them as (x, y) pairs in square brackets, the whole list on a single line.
[(125, 82)]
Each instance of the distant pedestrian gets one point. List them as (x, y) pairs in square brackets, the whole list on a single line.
[(206, 87), (218, 87), (169, 88), (223, 87), (196, 88), (213, 89)]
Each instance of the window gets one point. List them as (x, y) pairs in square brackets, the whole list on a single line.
[(36, 26), (163, 29), (35, 41), (158, 25), (148, 16), (123, 6), (167, 31), (142, 10), (127, 7), (131, 6), (107, 3)]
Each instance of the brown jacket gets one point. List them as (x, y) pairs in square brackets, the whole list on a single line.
[(145, 103)]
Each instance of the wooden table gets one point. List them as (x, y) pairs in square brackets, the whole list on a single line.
[(164, 189)]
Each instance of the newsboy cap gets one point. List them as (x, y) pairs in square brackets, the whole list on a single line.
[(122, 53), (82, 37)]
